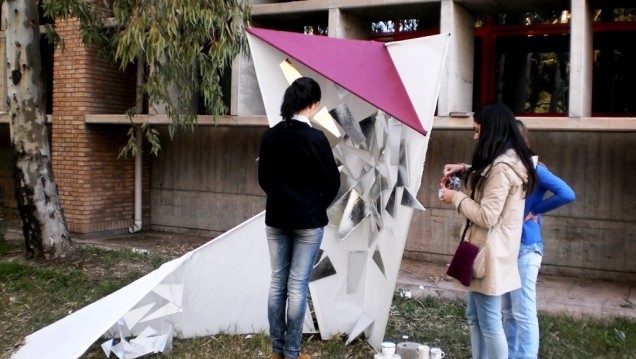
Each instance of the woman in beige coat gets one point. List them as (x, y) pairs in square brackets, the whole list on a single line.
[(501, 174)]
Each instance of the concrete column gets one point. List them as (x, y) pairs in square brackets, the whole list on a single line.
[(581, 59), (245, 94), (344, 25), (456, 91), (246, 98)]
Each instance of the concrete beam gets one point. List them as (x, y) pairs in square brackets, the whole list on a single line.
[(560, 124), (367, 9), (512, 6), (202, 120)]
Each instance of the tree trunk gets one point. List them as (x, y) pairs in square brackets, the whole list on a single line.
[(43, 223)]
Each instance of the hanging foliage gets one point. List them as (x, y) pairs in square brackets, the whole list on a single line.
[(187, 46)]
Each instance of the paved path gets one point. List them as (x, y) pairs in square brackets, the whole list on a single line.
[(576, 296)]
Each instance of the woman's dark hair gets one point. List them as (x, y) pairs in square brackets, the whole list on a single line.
[(524, 131), (303, 92), (498, 133)]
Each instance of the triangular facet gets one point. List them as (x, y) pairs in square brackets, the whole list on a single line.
[(364, 321), (364, 68)]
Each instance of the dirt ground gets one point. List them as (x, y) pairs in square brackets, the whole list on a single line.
[(145, 240), (161, 242)]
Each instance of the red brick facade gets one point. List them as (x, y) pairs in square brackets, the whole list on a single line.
[(97, 188)]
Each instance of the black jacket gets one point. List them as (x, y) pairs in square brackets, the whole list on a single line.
[(299, 174)]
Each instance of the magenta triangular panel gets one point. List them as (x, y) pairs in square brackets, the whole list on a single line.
[(364, 68)]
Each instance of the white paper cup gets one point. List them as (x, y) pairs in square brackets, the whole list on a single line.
[(437, 353), (388, 349)]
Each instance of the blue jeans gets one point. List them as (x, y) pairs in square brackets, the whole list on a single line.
[(519, 309), (487, 338), (292, 254)]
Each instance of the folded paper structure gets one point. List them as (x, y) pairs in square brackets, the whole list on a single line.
[(379, 104)]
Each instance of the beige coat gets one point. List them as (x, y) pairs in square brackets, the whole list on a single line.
[(497, 218)]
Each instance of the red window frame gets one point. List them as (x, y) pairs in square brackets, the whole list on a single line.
[(489, 35)]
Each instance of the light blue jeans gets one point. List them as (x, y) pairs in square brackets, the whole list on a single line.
[(487, 338), (519, 308), (292, 254)]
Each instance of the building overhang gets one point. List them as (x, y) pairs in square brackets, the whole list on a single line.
[(564, 124), (376, 10)]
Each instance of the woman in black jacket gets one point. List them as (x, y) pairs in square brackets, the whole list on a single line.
[(299, 174)]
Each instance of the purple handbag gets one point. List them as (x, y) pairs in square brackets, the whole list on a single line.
[(461, 267)]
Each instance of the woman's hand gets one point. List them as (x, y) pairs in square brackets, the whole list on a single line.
[(531, 216), (449, 169), (446, 195)]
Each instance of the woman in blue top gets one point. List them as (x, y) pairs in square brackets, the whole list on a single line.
[(519, 307)]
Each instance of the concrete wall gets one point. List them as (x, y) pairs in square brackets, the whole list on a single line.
[(206, 183), (593, 237)]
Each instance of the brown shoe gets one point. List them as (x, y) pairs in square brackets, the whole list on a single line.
[(277, 356), (301, 356)]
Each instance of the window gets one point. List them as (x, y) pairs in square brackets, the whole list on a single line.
[(522, 60), (399, 29), (316, 30), (614, 74), (532, 73)]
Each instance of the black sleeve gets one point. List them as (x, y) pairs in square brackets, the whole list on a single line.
[(330, 173), (264, 179)]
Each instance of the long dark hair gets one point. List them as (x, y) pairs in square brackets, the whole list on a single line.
[(499, 133), (524, 131), (303, 92)]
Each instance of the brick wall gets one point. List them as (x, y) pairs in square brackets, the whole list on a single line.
[(95, 186)]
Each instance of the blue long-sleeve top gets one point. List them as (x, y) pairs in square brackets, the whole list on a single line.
[(538, 203)]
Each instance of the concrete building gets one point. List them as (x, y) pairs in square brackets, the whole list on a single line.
[(565, 67)]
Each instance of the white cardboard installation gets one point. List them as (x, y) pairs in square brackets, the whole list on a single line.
[(222, 286)]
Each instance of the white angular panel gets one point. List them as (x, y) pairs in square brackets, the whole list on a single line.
[(224, 281)]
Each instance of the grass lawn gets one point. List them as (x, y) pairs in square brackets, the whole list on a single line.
[(35, 294)]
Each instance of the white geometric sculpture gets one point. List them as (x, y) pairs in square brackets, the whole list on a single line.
[(371, 90), (223, 285)]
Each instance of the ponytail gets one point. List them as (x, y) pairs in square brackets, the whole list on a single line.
[(303, 92)]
